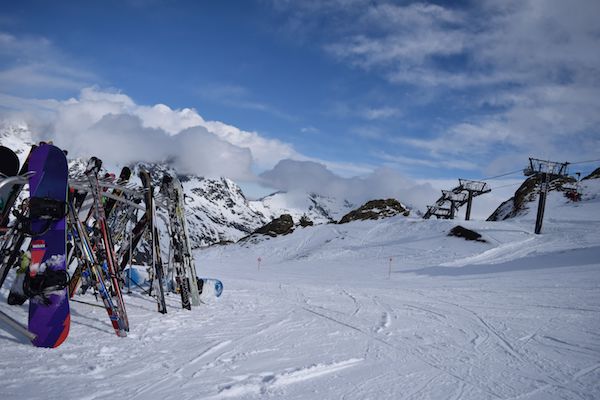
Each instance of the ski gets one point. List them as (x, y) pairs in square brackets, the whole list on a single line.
[(156, 258), (110, 204), (185, 277), (87, 252), (108, 250)]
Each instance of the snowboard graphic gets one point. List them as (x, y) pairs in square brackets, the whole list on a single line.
[(209, 288), (46, 277)]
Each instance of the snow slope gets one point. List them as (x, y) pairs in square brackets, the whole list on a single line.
[(323, 316), (387, 309)]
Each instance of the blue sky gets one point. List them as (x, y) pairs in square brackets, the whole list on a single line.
[(431, 90)]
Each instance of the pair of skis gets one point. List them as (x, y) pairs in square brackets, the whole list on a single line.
[(95, 256), (183, 262)]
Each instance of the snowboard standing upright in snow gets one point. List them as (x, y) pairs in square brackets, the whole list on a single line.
[(9, 166), (46, 278), (14, 238), (12, 191)]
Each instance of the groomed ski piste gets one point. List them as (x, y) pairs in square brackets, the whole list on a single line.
[(388, 309)]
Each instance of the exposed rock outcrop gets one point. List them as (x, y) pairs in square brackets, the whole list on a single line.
[(467, 234), (305, 221), (594, 175), (525, 194), (279, 226), (376, 209)]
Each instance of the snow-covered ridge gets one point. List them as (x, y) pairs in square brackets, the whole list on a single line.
[(217, 209), (523, 205), (384, 309), (16, 137)]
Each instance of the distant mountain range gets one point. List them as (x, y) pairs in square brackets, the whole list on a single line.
[(217, 210)]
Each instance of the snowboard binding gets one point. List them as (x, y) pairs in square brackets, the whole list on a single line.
[(41, 209), (42, 284)]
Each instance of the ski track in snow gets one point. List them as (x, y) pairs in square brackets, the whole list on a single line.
[(322, 319)]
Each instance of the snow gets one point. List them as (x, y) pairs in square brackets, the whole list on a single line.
[(386, 309), (514, 318), (319, 209)]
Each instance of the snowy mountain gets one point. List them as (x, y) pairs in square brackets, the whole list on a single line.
[(561, 191), (319, 209), (386, 309), (16, 137), (217, 209)]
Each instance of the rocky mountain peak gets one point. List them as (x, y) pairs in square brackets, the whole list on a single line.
[(526, 194), (376, 209)]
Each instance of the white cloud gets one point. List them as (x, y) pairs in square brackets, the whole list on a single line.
[(375, 113), (66, 121), (499, 42), (527, 72), (309, 129), (118, 139), (308, 176), (117, 122), (112, 126), (550, 121), (399, 39), (33, 64)]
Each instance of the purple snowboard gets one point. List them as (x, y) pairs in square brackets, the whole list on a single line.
[(49, 316)]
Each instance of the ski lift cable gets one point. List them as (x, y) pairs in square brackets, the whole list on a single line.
[(503, 186), (584, 162), (501, 175), (521, 170)]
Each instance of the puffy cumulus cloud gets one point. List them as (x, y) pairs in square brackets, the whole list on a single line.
[(199, 149), (111, 125), (171, 121), (93, 104), (309, 176), (266, 152), (122, 138)]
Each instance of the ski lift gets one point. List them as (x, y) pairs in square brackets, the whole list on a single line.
[(572, 189), (528, 171), (572, 194)]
